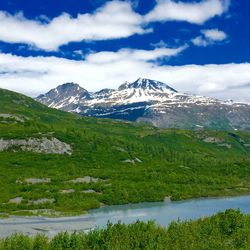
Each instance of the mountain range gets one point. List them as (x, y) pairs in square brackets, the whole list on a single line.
[(153, 102)]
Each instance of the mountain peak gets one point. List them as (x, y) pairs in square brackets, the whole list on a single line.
[(70, 86), (64, 95), (67, 89), (147, 84), (153, 85)]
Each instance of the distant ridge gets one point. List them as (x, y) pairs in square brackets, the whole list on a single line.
[(150, 101)]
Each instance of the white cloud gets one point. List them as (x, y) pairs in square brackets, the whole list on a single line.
[(214, 34), (200, 41), (193, 12), (209, 37), (116, 19), (132, 54), (35, 75)]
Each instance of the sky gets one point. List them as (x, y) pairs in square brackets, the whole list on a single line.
[(199, 46)]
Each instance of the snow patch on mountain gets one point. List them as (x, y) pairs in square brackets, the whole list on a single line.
[(149, 101), (142, 90)]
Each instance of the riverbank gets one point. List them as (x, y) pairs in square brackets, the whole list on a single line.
[(161, 212), (50, 213), (42, 225), (226, 230)]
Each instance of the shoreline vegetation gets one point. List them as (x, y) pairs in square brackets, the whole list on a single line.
[(46, 213), (55, 163), (225, 230)]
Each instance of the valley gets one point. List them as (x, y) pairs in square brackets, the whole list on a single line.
[(108, 161), (124, 125)]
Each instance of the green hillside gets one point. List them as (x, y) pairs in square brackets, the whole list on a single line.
[(112, 162)]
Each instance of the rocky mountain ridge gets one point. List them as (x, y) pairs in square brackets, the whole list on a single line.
[(152, 102)]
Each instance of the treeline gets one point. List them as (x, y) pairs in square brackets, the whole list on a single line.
[(226, 230)]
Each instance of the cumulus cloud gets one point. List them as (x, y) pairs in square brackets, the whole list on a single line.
[(209, 37), (36, 75), (116, 19), (214, 34), (192, 12), (133, 54)]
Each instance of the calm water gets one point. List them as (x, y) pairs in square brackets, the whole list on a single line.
[(162, 212), (165, 212)]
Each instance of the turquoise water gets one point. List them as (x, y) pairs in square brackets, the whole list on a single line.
[(165, 212), (161, 212)]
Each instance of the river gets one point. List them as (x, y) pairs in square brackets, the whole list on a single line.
[(162, 212)]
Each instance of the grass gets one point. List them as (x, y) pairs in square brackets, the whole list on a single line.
[(172, 162)]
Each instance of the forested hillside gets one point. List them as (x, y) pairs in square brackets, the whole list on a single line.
[(57, 163)]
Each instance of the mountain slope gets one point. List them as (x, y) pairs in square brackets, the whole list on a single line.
[(108, 161), (152, 102), (64, 96)]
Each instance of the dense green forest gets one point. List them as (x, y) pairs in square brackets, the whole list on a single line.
[(226, 230), (126, 162)]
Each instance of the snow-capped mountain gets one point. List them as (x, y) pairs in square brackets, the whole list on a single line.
[(142, 90), (150, 101), (64, 95)]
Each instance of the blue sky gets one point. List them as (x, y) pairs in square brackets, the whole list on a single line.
[(199, 47)]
